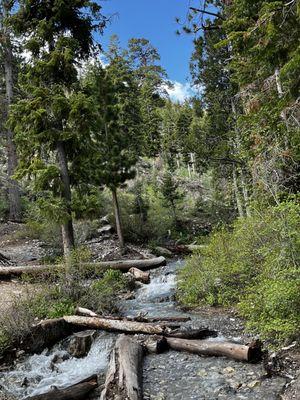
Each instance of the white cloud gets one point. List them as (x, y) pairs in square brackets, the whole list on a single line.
[(181, 91)]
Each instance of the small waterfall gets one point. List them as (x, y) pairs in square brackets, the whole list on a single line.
[(37, 374)]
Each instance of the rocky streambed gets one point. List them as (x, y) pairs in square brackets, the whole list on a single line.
[(167, 376)]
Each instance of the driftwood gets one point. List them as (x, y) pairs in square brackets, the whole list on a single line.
[(46, 334), (85, 312), (167, 319), (124, 376), (140, 276), (200, 333), (92, 268), (214, 348), (184, 248), (116, 325), (139, 318), (79, 391)]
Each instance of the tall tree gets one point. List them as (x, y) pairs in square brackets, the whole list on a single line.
[(53, 118), (117, 138), (7, 59), (152, 81)]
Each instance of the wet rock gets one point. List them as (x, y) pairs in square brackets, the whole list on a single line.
[(105, 230), (228, 370), (58, 359), (81, 343), (162, 251), (252, 384)]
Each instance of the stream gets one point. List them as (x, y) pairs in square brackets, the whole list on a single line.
[(168, 376)]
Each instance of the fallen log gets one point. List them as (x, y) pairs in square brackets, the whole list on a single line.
[(92, 268), (79, 391), (116, 325), (125, 265), (185, 248), (85, 312), (140, 276), (124, 376), (45, 334), (167, 319), (156, 344), (236, 351), (187, 333)]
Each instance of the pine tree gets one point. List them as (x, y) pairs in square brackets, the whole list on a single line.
[(152, 81), (8, 64), (53, 118), (117, 135), (171, 194)]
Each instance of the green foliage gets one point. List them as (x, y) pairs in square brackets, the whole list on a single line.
[(59, 296), (255, 265), (4, 207), (171, 193)]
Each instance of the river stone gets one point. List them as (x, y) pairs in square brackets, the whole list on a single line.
[(81, 342)]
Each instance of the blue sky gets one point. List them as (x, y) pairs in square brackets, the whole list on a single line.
[(155, 21)]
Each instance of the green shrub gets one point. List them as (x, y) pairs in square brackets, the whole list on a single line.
[(256, 265), (103, 293), (59, 296)]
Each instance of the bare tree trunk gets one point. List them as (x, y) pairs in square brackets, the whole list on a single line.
[(237, 192), (280, 95), (12, 161), (245, 193), (67, 227), (118, 217), (124, 376)]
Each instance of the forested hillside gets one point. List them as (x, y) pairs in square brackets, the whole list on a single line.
[(89, 133)]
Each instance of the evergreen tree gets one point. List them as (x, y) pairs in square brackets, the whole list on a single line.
[(171, 193), (152, 80), (53, 118), (7, 60), (264, 37), (116, 136)]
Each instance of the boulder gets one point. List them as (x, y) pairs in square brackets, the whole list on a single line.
[(81, 342)]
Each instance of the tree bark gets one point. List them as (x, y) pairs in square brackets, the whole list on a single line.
[(124, 376), (115, 325), (79, 391), (12, 161), (236, 351), (93, 269), (237, 192), (67, 227), (118, 218), (140, 318), (245, 193)]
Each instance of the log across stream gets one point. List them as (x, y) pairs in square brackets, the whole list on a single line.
[(169, 375)]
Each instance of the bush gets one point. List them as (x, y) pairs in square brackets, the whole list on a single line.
[(59, 296), (255, 266), (103, 293)]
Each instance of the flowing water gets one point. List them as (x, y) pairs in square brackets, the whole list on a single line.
[(167, 376)]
